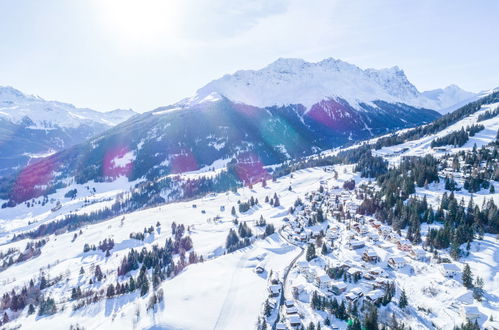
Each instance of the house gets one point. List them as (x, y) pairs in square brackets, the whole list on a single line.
[(338, 287), (396, 262), (448, 269), (294, 321), (291, 310), (274, 290), (259, 269), (310, 275), (404, 245), (381, 283), (323, 281), (469, 312), (354, 244), (418, 254), (289, 303), (281, 326), (353, 272), (370, 256), (354, 294), (302, 266), (375, 296)]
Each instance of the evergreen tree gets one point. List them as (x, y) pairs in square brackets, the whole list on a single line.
[(403, 300), (467, 277), (310, 252)]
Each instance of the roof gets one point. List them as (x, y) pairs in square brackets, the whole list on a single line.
[(280, 326), (339, 285), (449, 267), (371, 253), (375, 294), (275, 288), (294, 319), (470, 310), (398, 260), (324, 278)]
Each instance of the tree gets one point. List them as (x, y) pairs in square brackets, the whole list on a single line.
[(371, 320), (478, 289), (31, 309), (233, 211), (310, 252), (403, 300), (467, 277)]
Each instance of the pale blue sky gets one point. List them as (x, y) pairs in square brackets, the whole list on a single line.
[(108, 54)]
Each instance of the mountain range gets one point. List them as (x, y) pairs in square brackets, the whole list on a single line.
[(31, 127), (289, 109)]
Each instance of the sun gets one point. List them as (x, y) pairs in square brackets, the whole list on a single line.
[(138, 23)]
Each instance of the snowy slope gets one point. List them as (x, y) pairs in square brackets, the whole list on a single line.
[(295, 81)]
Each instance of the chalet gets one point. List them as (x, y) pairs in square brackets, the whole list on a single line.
[(310, 275), (355, 244), (274, 290), (259, 269), (374, 237), (354, 294), (294, 321), (418, 254), (384, 230), (363, 230), (470, 312), (323, 281), (404, 245), (370, 256), (448, 269), (281, 326), (375, 296), (338, 287), (302, 266), (381, 283), (289, 303), (352, 272), (291, 310), (376, 224), (396, 262)]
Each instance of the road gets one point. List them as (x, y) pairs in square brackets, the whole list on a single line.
[(286, 273)]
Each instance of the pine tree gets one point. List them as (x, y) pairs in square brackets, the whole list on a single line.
[(310, 252), (31, 309), (467, 277), (492, 190), (478, 289), (403, 300)]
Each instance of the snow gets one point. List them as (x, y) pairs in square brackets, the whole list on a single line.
[(16, 107), (295, 81)]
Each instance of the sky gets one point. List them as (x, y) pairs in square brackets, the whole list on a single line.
[(109, 54)]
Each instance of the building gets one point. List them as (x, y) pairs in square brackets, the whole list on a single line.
[(370, 256), (469, 312), (375, 296), (281, 326), (418, 254), (323, 281), (354, 244), (294, 321), (404, 245), (338, 287), (396, 262), (448, 269), (274, 290), (302, 266)]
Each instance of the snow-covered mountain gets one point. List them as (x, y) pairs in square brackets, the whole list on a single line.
[(31, 127), (15, 106), (295, 81)]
